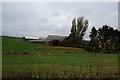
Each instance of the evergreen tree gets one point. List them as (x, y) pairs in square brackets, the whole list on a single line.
[(106, 38), (93, 34), (93, 41)]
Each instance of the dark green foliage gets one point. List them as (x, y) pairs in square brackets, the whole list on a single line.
[(82, 26), (93, 42), (56, 43), (93, 33), (105, 39), (85, 47), (94, 45), (78, 30), (73, 35)]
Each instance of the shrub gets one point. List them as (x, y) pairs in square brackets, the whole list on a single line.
[(86, 47)]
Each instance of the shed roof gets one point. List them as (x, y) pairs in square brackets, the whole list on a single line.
[(39, 40), (26, 37), (55, 37)]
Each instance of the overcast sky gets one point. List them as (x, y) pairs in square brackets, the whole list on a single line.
[(43, 18)]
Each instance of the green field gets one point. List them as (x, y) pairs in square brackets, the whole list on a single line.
[(12, 44), (54, 62)]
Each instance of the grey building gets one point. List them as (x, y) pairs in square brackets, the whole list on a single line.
[(49, 40)]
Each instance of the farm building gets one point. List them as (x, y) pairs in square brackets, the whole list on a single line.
[(31, 38), (55, 37), (34, 39), (53, 40), (40, 41)]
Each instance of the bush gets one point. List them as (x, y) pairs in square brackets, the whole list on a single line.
[(86, 47), (80, 44)]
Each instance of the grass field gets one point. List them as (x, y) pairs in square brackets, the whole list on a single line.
[(12, 44), (54, 62)]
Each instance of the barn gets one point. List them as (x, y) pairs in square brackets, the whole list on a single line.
[(26, 38), (55, 40), (52, 40), (55, 37)]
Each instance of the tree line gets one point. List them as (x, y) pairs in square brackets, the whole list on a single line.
[(105, 39)]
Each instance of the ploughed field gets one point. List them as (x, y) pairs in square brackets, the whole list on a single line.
[(26, 60)]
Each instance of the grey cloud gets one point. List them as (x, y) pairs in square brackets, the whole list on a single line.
[(42, 19)]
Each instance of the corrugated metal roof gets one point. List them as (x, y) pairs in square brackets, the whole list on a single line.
[(55, 37), (39, 40), (26, 37)]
